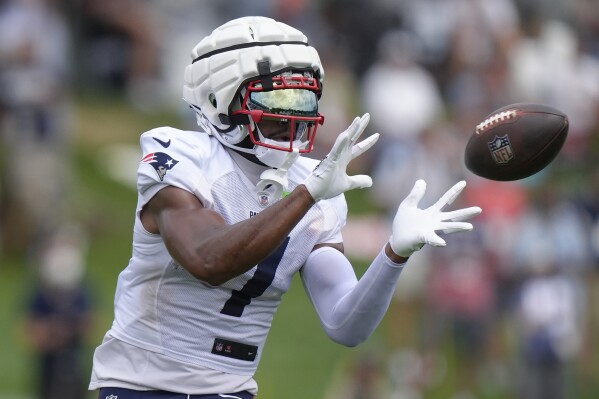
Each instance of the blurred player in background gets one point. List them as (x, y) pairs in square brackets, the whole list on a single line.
[(34, 122), (60, 316), (228, 215)]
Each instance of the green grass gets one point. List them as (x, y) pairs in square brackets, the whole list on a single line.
[(16, 362)]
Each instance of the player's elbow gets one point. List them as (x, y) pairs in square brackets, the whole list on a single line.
[(207, 272), (212, 277), (347, 331), (214, 280)]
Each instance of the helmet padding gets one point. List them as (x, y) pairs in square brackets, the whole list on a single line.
[(231, 56)]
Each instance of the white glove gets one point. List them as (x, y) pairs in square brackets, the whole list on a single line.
[(329, 178), (414, 227)]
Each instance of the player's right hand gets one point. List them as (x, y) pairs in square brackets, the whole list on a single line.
[(330, 178)]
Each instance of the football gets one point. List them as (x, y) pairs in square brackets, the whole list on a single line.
[(516, 141)]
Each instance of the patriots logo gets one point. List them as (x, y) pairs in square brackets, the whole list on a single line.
[(161, 162)]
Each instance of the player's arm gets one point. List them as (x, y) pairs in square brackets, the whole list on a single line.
[(349, 310), (199, 239)]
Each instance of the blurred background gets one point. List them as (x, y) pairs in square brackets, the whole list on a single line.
[(508, 311)]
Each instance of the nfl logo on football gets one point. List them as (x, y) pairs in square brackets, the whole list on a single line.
[(501, 149)]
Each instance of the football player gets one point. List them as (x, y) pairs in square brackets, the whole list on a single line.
[(227, 215)]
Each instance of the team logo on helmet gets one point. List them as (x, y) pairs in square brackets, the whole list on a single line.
[(161, 162), (501, 149)]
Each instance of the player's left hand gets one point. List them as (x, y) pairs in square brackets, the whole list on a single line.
[(414, 227), (330, 178)]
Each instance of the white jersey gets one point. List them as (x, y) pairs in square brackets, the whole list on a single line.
[(162, 308)]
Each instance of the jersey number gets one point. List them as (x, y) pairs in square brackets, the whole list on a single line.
[(260, 281)]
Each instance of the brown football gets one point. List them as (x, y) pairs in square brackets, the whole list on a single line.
[(516, 141)]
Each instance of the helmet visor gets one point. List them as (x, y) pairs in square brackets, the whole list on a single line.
[(293, 100), (298, 102)]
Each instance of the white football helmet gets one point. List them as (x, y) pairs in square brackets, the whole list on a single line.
[(250, 69)]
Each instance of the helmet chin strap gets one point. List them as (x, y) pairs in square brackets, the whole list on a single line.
[(274, 182), (273, 157)]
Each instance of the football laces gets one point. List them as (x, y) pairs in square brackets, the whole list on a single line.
[(494, 119)]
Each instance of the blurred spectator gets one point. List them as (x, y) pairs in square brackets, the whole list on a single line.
[(550, 324), (470, 33), (363, 379), (548, 66), (176, 25), (402, 97), (34, 131), (404, 102), (412, 374), (474, 80), (59, 317), (460, 309), (586, 23), (553, 230), (120, 43), (355, 28), (590, 201), (551, 256), (503, 204), (484, 32)]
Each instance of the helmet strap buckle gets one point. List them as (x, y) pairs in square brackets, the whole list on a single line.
[(274, 182), (265, 75)]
